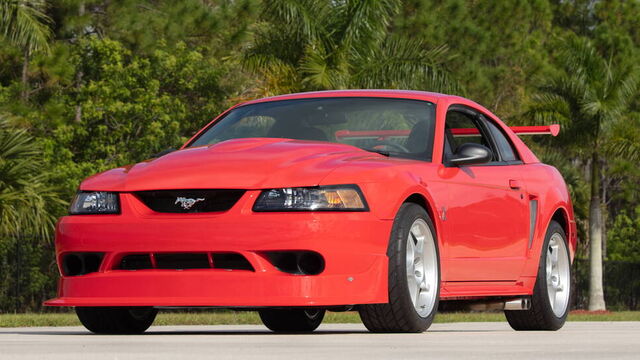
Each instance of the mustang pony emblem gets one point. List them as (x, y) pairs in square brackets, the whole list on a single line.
[(187, 203)]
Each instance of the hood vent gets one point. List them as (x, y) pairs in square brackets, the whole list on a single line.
[(190, 201)]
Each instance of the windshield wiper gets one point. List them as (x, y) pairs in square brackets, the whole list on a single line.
[(378, 151)]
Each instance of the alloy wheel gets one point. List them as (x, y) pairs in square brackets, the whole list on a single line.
[(558, 275), (422, 267)]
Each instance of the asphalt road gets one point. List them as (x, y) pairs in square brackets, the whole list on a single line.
[(577, 340)]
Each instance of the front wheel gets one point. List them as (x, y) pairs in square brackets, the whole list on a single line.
[(116, 320), (291, 320), (414, 276), (550, 300)]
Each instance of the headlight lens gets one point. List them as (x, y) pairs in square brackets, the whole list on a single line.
[(323, 198), (95, 202)]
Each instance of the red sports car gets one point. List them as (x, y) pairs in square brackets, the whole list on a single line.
[(382, 201)]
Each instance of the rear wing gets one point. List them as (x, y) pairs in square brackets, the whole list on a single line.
[(553, 130)]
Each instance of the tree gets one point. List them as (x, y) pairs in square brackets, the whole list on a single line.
[(624, 235), (494, 66), (315, 45), (26, 25), (589, 97), (28, 204), (133, 107)]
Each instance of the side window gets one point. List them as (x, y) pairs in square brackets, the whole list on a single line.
[(462, 128), (504, 146)]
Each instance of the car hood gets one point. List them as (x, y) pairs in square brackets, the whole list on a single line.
[(254, 163)]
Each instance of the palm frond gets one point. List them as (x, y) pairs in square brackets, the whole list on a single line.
[(27, 204), (362, 23), (591, 94), (300, 17), (402, 63), (25, 23)]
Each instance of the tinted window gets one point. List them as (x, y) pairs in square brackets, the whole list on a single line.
[(462, 128), (399, 127), (504, 146)]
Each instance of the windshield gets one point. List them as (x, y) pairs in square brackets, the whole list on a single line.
[(393, 127)]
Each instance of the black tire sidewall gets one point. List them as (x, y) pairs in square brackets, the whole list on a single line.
[(116, 320), (291, 320), (541, 295), (406, 216)]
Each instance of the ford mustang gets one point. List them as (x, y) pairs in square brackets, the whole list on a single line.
[(387, 202)]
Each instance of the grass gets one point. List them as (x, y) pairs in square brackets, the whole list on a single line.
[(230, 317)]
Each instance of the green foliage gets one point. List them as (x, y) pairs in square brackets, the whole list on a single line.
[(495, 47), (590, 97), (131, 106), (27, 272), (624, 237), (314, 45), (28, 201), (25, 24)]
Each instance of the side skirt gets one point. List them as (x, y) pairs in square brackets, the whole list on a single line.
[(452, 290)]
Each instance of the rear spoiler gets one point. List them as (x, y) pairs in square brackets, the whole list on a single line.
[(553, 130)]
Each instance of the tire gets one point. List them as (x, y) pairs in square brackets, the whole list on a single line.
[(553, 280), (413, 300), (116, 320), (291, 320)]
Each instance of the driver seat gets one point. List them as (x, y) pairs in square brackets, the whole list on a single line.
[(419, 137)]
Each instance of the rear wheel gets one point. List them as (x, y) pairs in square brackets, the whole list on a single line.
[(116, 320), (550, 300), (291, 320), (414, 276)]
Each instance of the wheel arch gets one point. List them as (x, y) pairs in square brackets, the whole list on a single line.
[(562, 216), (424, 201), (419, 199)]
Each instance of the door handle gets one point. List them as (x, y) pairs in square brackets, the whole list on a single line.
[(514, 184)]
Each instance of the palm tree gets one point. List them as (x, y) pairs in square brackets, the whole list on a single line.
[(313, 45), (590, 98), (27, 204), (25, 24)]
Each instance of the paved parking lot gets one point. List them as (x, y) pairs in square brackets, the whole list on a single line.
[(577, 340)]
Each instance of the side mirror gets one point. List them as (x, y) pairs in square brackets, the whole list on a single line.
[(163, 153), (471, 154)]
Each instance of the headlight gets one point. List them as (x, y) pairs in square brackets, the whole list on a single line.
[(95, 202), (322, 198)]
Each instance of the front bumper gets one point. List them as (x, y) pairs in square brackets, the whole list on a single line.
[(353, 245)]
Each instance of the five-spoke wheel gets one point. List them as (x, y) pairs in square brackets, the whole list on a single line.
[(558, 274), (422, 267), (550, 299), (414, 276)]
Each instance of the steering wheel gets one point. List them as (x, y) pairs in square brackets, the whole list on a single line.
[(391, 145)]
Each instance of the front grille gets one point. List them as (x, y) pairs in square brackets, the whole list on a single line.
[(190, 201), (182, 261), (135, 262)]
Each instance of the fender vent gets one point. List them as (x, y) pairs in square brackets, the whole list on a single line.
[(533, 216), (190, 201)]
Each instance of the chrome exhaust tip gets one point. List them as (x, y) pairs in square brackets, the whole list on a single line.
[(518, 304), (523, 303)]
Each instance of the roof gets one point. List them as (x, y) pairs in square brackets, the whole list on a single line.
[(407, 94)]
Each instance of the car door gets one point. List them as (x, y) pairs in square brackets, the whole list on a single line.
[(486, 216)]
